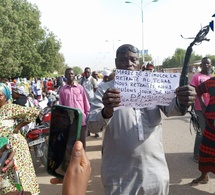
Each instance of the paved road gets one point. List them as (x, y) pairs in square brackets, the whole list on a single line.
[(178, 145)]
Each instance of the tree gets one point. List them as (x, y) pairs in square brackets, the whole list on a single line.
[(77, 70), (26, 49), (60, 65), (177, 59), (20, 33), (146, 57), (48, 50), (167, 63)]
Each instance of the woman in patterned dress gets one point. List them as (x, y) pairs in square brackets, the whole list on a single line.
[(9, 113), (207, 146)]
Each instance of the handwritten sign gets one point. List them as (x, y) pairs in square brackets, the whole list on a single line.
[(141, 89)]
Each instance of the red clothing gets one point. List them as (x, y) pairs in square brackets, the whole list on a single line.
[(50, 85), (207, 147), (75, 97)]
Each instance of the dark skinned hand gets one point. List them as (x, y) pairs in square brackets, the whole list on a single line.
[(186, 95), (9, 162), (111, 99)]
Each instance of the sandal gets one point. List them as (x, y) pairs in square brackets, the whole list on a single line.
[(200, 180)]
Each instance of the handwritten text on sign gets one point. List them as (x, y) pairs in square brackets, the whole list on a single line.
[(141, 89)]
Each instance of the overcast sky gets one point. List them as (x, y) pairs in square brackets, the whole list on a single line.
[(91, 30)]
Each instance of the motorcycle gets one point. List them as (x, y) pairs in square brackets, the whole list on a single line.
[(38, 136)]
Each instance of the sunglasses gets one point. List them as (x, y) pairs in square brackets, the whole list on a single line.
[(128, 48)]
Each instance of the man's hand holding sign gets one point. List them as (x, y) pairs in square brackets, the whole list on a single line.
[(140, 89)]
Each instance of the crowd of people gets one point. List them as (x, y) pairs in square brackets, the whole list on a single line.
[(133, 158), (19, 109)]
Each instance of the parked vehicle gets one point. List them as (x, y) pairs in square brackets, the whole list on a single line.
[(38, 136)]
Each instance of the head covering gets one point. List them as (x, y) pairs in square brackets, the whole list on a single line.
[(20, 90), (150, 66), (106, 72), (5, 90)]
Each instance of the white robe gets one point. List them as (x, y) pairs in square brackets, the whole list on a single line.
[(133, 160)]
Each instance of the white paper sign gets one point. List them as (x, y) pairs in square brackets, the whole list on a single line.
[(141, 89)]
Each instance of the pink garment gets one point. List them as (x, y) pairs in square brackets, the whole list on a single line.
[(196, 80), (75, 97)]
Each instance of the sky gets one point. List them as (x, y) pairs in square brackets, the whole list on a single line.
[(91, 30)]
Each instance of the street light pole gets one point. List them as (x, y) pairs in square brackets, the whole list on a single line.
[(143, 56), (113, 42), (141, 8)]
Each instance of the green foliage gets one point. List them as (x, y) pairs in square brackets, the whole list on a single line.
[(146, 57), (77, 70), (48, 50), (177, 59), (26, 49), (60, 66)]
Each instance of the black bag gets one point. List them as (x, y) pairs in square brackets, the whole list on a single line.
[(194, 120)]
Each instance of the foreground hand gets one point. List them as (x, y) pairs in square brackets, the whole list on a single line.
[(111, 99), (56, 181), (78, 172), (186, 95), (9, 162)]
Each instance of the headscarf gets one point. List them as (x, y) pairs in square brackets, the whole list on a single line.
[(5, 90), (19, 89)]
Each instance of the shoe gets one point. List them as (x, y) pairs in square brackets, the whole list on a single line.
[(96, 135), (196, 159), (88, 133), (200, 180)]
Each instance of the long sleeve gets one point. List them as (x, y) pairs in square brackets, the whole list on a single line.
[(95, 120), (86, 103)]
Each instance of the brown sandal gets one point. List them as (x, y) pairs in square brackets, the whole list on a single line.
[(200, 180)]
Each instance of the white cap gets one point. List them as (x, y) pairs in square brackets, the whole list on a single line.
[(106, 72)]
